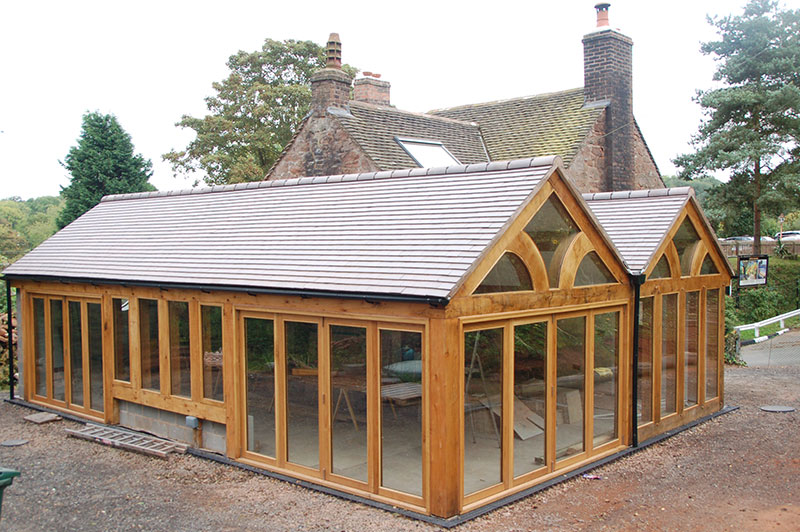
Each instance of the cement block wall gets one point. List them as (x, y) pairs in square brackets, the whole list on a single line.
[(170, 425)]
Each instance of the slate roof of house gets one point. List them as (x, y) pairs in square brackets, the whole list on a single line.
[(532, 126), (374, 128), (410, 233), (637, 221)]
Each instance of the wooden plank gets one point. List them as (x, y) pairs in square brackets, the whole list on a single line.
[(526, 249), (177, 404), (110, 408), (165, 376), (573, 255), (231, 375), (373, 408), (281, 423), (195, 351), (134, 343), (511, 305)]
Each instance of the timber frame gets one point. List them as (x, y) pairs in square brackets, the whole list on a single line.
[(574, 392)]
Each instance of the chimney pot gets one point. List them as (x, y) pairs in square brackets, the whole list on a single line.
[(334, 51), (602, 14)]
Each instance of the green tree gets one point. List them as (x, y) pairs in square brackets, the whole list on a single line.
[(751, 127), (253, 115), (102, 163), (26, 224)]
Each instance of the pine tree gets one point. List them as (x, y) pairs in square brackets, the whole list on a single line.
[(102, 163)]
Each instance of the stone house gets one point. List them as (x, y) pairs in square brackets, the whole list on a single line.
[(352, 126)]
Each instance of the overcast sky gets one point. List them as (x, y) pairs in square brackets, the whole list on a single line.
[(150, 62)]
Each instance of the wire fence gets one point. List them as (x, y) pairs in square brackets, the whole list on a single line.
[(782, 350)]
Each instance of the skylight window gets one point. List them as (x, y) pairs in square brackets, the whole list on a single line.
[(427, 153)]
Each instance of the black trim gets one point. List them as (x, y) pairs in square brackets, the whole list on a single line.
[(368, 297), (638, 281), (445, 523)]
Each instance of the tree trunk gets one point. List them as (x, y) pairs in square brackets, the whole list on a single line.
[(756, 208)]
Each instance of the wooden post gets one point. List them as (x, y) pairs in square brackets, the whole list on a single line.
[(444, 400)]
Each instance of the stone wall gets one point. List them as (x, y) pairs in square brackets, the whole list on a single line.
[(647, 175), (588, 168), (322, 147), (171, 426)]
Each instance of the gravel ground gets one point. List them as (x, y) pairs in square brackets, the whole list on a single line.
[(740, 472)]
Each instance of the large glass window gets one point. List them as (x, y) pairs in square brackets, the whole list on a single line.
[(57, 346), (122, 366), (179, 353), (592, 271), (712, 343), (606, 372), (211, 329), (692, 341), (95, 318), (552, 229), (530, 396), (483, 409), (302, 395), (39, 347), (401, 414), (645, 373), (259, 350), (686, 239), (570, 386), (148, 342), (669, 353), (75, 353), (509, 275), (348, 348)]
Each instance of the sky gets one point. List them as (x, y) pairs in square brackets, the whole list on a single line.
[(150, 62)]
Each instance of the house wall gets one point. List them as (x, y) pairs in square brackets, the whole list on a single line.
[(645, 170), (322, 147)]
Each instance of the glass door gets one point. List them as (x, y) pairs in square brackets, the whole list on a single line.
[(301, 350), (259, 354)]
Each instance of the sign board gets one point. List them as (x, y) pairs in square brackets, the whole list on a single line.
[(753, 270)]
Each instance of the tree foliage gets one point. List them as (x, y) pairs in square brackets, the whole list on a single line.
[(102, 163), (751, 125), (253, 114), (26, 224)]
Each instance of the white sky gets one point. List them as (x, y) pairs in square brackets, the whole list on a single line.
[(150, 62)]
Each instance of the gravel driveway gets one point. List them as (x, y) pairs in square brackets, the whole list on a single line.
[(740, 471)]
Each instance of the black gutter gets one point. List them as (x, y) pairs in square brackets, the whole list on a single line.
[(638, 281), (368, 297), (10, 314)]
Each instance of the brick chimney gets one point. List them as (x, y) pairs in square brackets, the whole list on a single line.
[(330, 87), (371, 89), (607, 75)]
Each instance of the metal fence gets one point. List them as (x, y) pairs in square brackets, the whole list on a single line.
[(782, 350)]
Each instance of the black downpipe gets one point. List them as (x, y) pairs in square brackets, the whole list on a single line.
[(10, 311), (638, 281)]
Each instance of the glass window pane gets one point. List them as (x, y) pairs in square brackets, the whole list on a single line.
[(570, 386), (122, 366), (552, 229), (593, 271), (483, 409), (401, 415), (645, 373), (530, 396), (148, 341), (509, 275), (302, 393), (708, 267), (661, 269), (712, 343), (57, 343), (75, 353), (692, 342), (179, 353), (211, 329), (428, 154), (259, 347), (606, 372), (39, 347), (686, 239), (349, 401), (669, 353), (95, 318)]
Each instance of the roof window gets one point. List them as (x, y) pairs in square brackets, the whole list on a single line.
[(427, 153)]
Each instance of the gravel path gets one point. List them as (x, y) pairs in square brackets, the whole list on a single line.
[(740, 472)]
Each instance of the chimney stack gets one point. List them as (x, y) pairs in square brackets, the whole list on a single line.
[(607, 77), (370, 89), (330, 87)]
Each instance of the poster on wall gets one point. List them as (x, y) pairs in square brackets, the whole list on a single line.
[(753, 270)]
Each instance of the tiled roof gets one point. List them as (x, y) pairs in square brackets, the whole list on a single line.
[(637, 221), (374, 128), (533, 126), (403, 233)]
